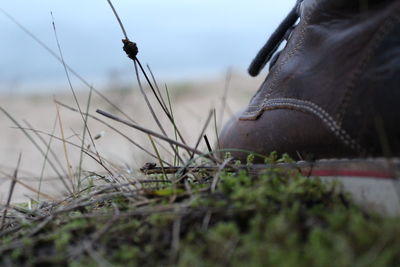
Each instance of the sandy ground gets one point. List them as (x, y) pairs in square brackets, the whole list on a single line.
[(192, 102)]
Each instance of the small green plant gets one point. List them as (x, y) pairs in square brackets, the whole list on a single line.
[(250, 159)]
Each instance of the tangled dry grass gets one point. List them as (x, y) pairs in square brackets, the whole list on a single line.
[(275, 218)]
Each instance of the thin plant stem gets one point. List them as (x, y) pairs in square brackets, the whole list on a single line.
[(207, 143), (175, 128), (72, 88), (87, 152), (224, 98), (69, 166), (10, 192), (162, 137), (48, 148), (58, 58), (152, 87), (118, 19), (151, 108), (158, 89), (210, 114), (55, 156), (114, 129), (37, 147), (168, 112), (160, 101), (83, 139), (158, 156), (216, 129), (32, 189)]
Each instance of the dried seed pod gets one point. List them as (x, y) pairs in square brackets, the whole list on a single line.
[(99, 135), (130, 48)]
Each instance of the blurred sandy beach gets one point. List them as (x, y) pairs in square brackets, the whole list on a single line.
[(191, 103)]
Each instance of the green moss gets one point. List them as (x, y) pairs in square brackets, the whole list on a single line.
[(127, 254), (16, 253), (161, 219), (278, 218)]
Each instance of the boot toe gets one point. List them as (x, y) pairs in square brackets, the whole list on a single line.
[(301, 135)]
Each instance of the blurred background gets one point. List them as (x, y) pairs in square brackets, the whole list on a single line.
[(199, 48), (179, 39)]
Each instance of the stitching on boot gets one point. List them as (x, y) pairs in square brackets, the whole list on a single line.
[(376, 40), (310, 107), (290, 54)]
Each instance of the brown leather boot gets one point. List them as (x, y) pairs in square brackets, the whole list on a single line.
[(334, 90)]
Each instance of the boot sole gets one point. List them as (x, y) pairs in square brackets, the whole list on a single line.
[(373, 183)]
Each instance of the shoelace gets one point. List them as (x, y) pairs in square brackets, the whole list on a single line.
[(280, 34)]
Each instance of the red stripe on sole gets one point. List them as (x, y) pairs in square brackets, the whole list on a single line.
[(350, 173)]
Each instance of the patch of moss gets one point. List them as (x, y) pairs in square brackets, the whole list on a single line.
[(278, 218)]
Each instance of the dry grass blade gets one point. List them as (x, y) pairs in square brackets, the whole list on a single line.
[(203, 169), (216, 132), (83, 140), (168, 112), (46, 143), (224, 98), (167, 109), (158, 156), (164, 108), (48, 149), (119, 20), (10, 192), (203, 131), (160, 101), (158, 89), (176, 132), (87, 152), (147, 131), (37, 147), (86, 129), (114, 129), (207, 143), (32, 189), (58, 58), (152, 110), (216, 177), (69, 166)]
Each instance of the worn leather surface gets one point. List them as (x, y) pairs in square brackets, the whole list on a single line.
[(334, 91)]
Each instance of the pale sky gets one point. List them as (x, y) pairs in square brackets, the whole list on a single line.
[(179, 39)]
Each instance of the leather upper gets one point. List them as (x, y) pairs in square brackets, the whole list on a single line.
[(320, 70)]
